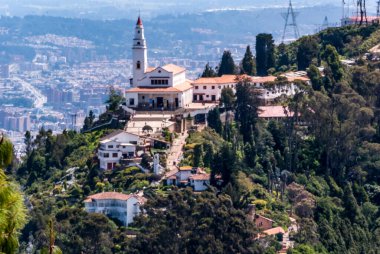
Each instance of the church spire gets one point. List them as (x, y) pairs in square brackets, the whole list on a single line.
[(139, 22), (139, 53)]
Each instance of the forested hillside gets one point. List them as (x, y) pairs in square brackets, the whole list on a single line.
[(320, 165)]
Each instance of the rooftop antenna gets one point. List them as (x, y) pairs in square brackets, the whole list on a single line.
[(290, 21)]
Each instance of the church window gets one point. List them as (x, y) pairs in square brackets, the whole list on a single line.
[(138, 31), (138, 43), (138, 65), (196, 87), (204, 88), (213, 87)]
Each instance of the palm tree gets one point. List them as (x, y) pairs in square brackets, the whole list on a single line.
[(12, 208)]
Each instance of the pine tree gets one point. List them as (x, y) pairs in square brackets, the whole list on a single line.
[(283, 57), (265, 58), (248, 63), (28, 140), (208, 72), (246, 114), (213, 120), (227, 65)]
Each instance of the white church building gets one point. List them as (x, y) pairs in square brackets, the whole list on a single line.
[(160, 88)]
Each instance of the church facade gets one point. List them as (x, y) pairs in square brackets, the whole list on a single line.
[(161, 88)]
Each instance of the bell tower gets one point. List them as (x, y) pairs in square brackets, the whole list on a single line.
[(139, 53)]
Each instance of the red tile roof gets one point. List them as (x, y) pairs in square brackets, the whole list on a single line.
[(369, 18), (173, 68), (274, 231), (139, 22), (109, 195), (200, 177)]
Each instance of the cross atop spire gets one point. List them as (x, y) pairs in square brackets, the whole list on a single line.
[(139, 21)]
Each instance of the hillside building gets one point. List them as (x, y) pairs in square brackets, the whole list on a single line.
[(115, 205), (115, 147), (210, 89), (162, 88)]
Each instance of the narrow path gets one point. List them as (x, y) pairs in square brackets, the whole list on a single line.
[(176, 151)]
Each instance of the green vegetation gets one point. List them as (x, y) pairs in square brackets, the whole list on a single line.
[(12, 209), (227, 64), (265, 57), (320, 166)]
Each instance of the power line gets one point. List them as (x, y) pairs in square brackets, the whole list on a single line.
[(290, 21), (361, 12)]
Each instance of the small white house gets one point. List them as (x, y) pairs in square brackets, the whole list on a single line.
[(200, 182), (115, 205), (116, 146), (188, 176)]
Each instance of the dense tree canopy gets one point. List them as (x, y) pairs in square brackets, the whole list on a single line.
[(227, 64), (203, 223), (248, 63), (265, 53)]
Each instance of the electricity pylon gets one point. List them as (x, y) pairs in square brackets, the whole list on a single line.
[(290, 21)]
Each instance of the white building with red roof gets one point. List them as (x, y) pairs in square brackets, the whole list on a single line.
[(117, 146), (115, 205), (185, 176), (161, 88), (210, 89)]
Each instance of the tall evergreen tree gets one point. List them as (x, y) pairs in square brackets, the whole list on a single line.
[(283, 57), (307, 51), (246, 114), (28, 140), (208, 72), (315, 77), (248, 63), (265, 58), (213, 120), (227, 65), (331, 57)]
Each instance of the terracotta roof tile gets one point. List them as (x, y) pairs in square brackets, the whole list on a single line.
[(274, 231), (173, 68), (114, 195), (200, 177), (109, 195)]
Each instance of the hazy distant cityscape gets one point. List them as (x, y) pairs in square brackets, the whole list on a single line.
[(54, 71)]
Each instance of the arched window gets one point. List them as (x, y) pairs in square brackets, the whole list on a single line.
[(138, 65), (138, 43)]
